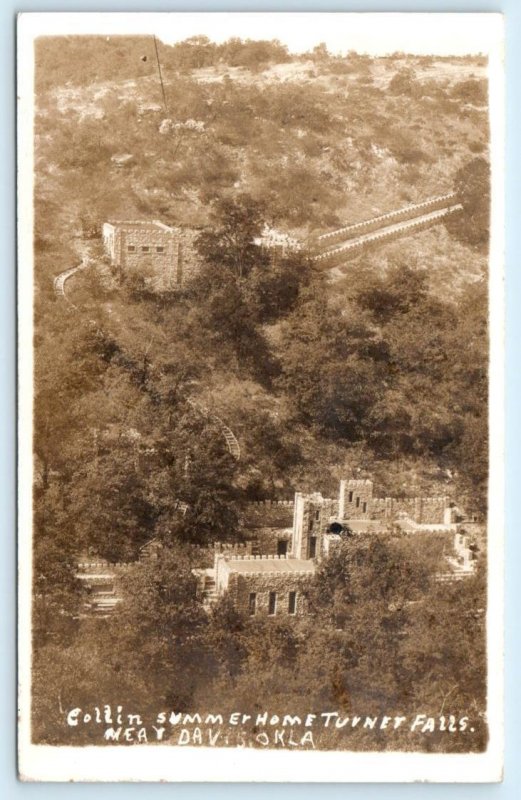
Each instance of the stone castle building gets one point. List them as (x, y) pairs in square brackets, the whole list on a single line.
[(165, 258), (269, 572), (274, 582)]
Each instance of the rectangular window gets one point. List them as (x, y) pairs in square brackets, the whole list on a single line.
[(145, 248), (252, 604), (350, 498), (292, 603), (131, 248), (179, 270), (357, 504), (317, 515), (272, 603), (312, 546), (160, 249), (364, 507)]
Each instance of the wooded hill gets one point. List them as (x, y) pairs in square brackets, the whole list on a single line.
[(381, 373)]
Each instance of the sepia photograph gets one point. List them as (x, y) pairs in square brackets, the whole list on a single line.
[(260, 396)]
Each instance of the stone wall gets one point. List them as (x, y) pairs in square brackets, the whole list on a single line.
[(337, 255), (356, 501), (190, 261), (241, 586), (267, 541), (268, 514), (425, 510), (332, 541), (382, 220), (233, 548)]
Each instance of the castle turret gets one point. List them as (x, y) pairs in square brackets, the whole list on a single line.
[(311, 518)]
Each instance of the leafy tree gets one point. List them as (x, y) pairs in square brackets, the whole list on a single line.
[(334, 393), (272, 290), (229, 245), (472, 183), (161, 628)]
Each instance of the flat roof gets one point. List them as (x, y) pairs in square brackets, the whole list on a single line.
[(139, 223), (362, 525), (259, 565)]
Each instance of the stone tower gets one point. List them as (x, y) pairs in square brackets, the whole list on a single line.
[(311, 517)]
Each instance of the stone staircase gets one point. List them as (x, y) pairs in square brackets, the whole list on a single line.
[(103, 603), (457, 572), (229, 436), (209, 594), (99, 578), (231, 440)]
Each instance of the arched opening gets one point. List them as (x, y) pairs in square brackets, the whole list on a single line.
[(336, 527)]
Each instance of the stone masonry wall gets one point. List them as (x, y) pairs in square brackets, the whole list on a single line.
[(425, 510), (268, 514), (158, 269), (190, 261), (242, 585), (338, 255), (267, 540), (233, 548), (356, 501), (375, 223)]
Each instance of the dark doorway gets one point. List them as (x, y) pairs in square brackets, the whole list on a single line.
[(312, 546), (282, 547)]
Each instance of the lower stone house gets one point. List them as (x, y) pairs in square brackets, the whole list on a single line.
[(268, 573)]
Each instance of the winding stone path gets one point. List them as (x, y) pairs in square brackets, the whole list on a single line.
[(61, 279)]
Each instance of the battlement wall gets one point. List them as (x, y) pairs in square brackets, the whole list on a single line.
[(375, 223)]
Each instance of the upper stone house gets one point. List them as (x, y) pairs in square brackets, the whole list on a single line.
[(165, 258)]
